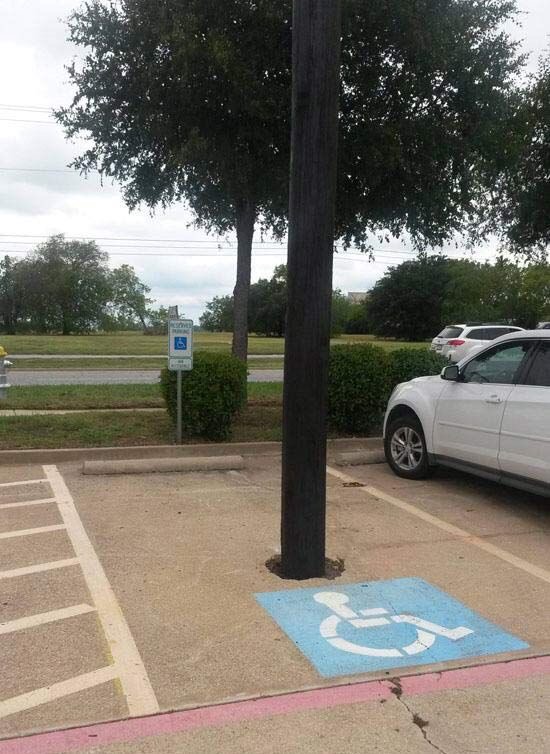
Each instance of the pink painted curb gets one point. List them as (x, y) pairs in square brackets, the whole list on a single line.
[(77, 739)]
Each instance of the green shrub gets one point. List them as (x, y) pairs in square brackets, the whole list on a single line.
[(361, 378), (359, 385), (408, 363), (212, 393)]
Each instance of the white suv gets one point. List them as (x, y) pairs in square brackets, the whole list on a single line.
[(489, 415), (456, 341)]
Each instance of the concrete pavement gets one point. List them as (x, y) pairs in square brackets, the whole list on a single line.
[(183, 557), (112, 376)]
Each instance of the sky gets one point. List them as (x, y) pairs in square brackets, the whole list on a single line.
[(40, 197)]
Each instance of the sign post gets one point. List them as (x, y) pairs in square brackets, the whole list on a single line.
[(180, 357)]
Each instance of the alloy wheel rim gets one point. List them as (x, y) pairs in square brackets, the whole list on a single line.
[(406, 448)]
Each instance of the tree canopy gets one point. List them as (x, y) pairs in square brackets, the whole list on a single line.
[(267, 308), (527, 206), (190, 100), (66, 286), (416, 299)]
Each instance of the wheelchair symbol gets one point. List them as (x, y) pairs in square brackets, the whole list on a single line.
[(180, 343), (426, 632)]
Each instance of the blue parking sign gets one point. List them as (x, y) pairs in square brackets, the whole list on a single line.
[(371, 626), (180, 343)]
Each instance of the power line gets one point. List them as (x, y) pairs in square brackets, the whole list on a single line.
[(26, 120), (216, 255), (28, 108), (38, 170), (211, 244)]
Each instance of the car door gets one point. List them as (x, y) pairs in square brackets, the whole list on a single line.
[(525, 433), (469, 412)]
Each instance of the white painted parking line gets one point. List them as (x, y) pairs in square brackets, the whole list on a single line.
[(28, 532), (39, 619), (41, 501), (135, 682), (22, 482), (26, 570), (57, 691), (508, 557)]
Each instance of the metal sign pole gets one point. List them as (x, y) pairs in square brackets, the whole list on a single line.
[(178, 399), (180, 359)]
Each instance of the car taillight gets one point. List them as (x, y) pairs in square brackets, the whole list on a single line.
[(456, 342)]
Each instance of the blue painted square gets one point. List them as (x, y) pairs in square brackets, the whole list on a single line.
[(180, 343), (359, 628)]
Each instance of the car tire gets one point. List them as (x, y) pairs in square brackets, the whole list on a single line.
[(406, 432)]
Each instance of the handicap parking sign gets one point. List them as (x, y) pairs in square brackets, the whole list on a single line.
[(360, 628), (180, 343)]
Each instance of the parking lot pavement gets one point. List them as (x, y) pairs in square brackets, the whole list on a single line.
[(461, 565), (66, 650)]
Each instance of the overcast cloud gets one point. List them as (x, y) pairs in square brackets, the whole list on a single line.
[(33, 51)]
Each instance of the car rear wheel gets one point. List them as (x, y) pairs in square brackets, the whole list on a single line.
[(405, 448)]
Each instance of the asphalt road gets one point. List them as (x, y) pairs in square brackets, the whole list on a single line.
[(112, 376)]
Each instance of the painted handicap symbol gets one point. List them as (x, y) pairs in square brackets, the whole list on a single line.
[(180, 343), (380, 625), (426, 631)]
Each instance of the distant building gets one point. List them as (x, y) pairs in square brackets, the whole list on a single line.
[(357, 297)]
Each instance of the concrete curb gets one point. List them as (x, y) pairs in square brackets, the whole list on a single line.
[(148, 466), (71, 455)]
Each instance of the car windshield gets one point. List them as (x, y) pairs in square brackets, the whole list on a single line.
[(450, 332)]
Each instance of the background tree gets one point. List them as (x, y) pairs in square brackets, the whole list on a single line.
[(341, 312), (267, 308), (66, 286), (415, 300), (128, 296), (11, 294), (218, 315), (189, 99), (407, 302), (357, 321), (267, 315), (526, 212)]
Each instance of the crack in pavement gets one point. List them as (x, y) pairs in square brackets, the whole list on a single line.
[(421, 724)]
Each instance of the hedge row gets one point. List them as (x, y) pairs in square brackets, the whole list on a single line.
[(361, 379), (213, 392)]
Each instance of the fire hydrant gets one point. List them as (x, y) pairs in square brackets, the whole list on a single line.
[(4, 365)]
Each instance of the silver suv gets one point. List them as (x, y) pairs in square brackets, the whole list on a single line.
[(456, 341)]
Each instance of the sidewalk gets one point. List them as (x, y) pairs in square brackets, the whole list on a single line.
[(251, 357)]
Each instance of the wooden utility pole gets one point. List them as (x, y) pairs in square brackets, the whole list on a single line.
[(315, 89)]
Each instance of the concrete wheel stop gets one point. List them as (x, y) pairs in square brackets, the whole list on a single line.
[(163, 465)]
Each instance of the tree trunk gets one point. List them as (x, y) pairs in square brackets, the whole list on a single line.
[(246, 217), (316, 48), (66, 326)]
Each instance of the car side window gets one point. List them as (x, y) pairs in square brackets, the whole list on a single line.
[(495, 332), (499, 366), (539, 373), (478, 334)]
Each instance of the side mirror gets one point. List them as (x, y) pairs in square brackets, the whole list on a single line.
[(451, 373)]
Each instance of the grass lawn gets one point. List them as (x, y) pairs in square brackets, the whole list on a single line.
[(256, 423), (111, 396), (260, 420), (135, 343)]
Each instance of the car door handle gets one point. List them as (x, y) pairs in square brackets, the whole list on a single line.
[(493, 399)]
